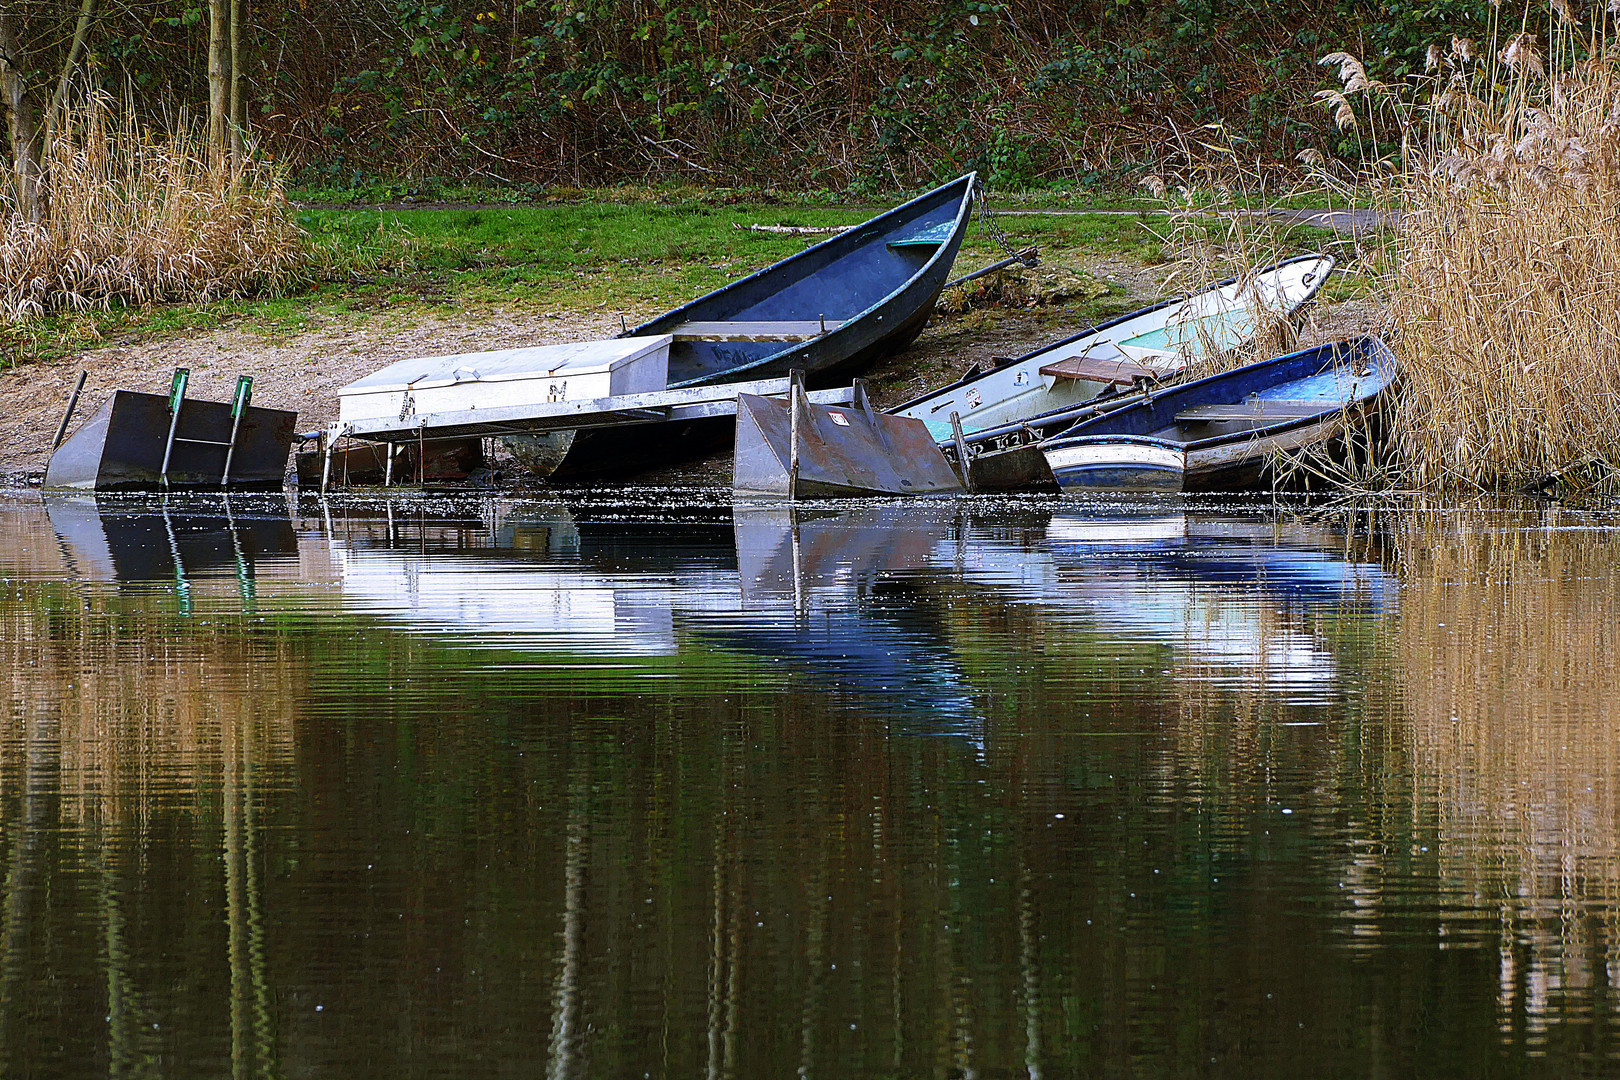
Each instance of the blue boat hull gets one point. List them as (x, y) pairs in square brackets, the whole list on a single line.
[(1227, 432)]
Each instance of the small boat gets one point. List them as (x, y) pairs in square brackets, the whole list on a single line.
[(1225, 432), (1035, 395), (151, 441), (829, 311)]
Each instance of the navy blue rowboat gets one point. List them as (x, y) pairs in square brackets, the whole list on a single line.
[(1226, 432), (829, 311)]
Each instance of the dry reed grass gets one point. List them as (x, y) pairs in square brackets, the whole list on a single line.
[(1508, 186), (134, 216)]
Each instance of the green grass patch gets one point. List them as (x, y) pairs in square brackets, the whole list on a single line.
[(637, 257)]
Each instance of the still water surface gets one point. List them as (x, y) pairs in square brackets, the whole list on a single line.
[(656, 786)]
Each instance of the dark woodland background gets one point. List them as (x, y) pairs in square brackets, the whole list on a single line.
[(839, 94)]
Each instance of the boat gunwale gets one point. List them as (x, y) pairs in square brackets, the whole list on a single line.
[(1108, 324), (852, 238)]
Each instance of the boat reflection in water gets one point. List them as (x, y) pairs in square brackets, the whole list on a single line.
[(1239, 594), (824, 595), (622, 789)]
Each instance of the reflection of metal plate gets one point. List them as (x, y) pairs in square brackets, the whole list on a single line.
[(1117, 531), (782, 551)]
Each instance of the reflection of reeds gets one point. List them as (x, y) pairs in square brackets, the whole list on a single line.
[(1506, 649), (147, 705)]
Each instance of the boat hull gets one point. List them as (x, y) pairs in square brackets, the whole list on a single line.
[(1118, 465), (1237, 431), (1153, 344), (873, 286), (121, 447)]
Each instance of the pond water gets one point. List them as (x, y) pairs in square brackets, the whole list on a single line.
[(649, 785)]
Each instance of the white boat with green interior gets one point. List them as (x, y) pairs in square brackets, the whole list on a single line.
[(1150, 345)]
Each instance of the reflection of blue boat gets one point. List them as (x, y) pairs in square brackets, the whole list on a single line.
[(1238, 593), (1241, 595), (1290, 564)]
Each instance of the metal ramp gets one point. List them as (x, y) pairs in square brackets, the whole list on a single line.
[(621, 410)]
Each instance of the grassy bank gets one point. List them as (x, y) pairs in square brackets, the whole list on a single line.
[(627, 251)]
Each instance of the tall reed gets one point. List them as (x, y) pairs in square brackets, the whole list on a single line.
[(1507, 184), (135, 216)]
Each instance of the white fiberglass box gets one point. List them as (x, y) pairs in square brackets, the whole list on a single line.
[(466, 382)]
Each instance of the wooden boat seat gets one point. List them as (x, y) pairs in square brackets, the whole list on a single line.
[(1253, 409), (1104, 369), (804, 330)]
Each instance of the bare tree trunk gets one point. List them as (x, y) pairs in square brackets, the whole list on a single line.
[(22, 120), (87, 11), (219, 61), (238, 110)]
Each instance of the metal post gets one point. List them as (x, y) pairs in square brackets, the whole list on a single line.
[(388, 464), (73, 403), (795, 393), (177, 398), (329, 437), (961, 450), (239, 406)]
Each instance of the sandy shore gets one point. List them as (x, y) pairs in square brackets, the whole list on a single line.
[(303, 370)]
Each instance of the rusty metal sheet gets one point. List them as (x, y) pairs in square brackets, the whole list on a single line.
[(842, 452)]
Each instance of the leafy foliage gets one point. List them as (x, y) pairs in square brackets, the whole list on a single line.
[(830, 93)]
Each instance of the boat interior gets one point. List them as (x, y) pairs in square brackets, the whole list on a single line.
[(805, 297), (1323, 381)]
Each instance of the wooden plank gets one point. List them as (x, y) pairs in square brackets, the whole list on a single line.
[(1103, 369), (1259, 409), (802, 330)]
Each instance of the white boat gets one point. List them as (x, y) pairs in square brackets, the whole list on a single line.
[(1151, 345)]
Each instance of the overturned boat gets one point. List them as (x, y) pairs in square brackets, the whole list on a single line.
[(1001, 413), (1235, 431), (141, 441), (798, 449), (829, 311)]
